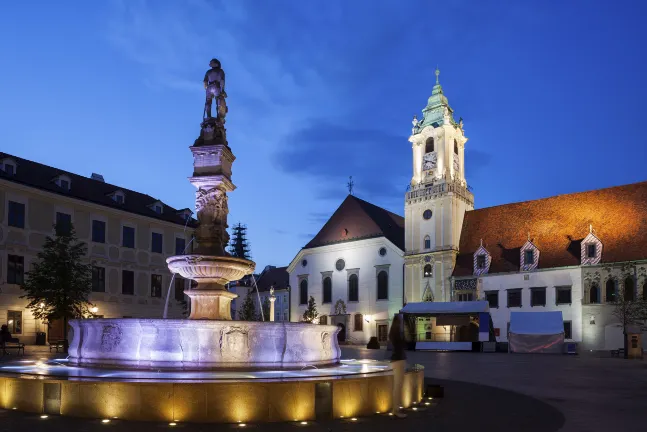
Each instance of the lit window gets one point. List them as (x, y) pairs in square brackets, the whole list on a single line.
[(14, 321)]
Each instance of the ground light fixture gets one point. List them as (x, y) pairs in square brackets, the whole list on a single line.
[(242, 424), (353, 419), (105, 421), (172, 424), (304, 423)]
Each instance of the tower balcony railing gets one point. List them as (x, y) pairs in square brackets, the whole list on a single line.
[(423, 191)]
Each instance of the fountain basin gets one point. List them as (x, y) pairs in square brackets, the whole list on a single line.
[(209, 269), (201, 344)]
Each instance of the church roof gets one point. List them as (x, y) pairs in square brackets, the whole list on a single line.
[(557, 226), (356, 219)]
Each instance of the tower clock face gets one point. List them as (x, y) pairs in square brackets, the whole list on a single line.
[(429, 161)]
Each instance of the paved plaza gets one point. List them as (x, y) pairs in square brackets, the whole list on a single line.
[(490, 392)]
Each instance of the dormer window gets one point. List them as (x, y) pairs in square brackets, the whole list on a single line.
[(529, 257), (185, 214), (157, 207), (119, 199), (591, 250), (8, 166), (63, 182), (480, 261)]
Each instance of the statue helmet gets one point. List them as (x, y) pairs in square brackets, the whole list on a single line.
[(214, 63)]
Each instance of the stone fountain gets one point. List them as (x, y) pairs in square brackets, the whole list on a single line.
[(209, 339)]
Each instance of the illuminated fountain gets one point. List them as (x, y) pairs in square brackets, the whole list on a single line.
[(206, 368)]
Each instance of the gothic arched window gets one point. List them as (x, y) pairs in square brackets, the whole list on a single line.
[(427, 242), (383, 285), (327, 290), (429, 145), (455, 147), (359, 322), (426, 272), (629, 289), (594, 294), (353, 288), (303, 292), (611, 291)]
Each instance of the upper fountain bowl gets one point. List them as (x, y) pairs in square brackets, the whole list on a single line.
[(210, 269)]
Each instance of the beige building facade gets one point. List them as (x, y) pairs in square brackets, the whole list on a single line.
[(129, 235)]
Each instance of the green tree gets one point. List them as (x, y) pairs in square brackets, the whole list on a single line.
[(629, 311), (60, 282), (311, 315), (247, 310)]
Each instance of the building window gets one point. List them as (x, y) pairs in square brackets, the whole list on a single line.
[(429, 145), (303, 292), (383, 285), (465, 297), (119, 198), (128, 239), (591, 250), (180, 245), (16, 215), (15, 269), (629, 289), (156, 242), (9, 168), (537, 296), (63, 222), (128, 282), (514, 297), (179, 288), (563, 295), (492, 298), (382, 251), (340, 264), (427, 214), (427, 271), (304, 263), (156, 285), (353, 288), (594, 294), (98, 279), (323, 320), (14, 321), (611, 291), (98, 231), (568, 330), (427, 242), (529, 257), (455, 147), (359, 322), (327, 290), (64, 184), (480, 261)]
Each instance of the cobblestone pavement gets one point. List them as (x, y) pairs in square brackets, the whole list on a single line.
[(488, 392)]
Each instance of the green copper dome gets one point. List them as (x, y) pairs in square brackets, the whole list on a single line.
[(437, 105)]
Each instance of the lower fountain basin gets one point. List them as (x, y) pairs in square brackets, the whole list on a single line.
[(201, 344)]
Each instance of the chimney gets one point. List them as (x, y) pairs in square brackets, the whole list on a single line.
[(97, 177)]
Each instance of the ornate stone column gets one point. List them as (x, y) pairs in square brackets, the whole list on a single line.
[(272, 300)]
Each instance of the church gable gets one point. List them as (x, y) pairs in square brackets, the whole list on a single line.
[(617, 213)]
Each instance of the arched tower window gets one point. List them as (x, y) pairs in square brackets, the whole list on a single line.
[(327, 290), (382, 285), (594, 294), (427, 242), (426, 272), (629, 289), (611, 291), (303, 292), (455, 147), (353, 288), (429, 145)]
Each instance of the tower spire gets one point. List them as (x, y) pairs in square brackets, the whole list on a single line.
[(437, 76)]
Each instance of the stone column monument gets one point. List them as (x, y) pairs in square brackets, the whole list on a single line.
[(272, 300), (209, 264)]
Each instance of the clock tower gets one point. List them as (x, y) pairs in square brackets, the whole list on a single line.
[(436, 201)]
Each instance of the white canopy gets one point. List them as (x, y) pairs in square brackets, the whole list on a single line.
[(446, 307), (536, 323)]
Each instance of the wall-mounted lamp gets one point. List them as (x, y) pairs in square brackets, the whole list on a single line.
[(368, 318)]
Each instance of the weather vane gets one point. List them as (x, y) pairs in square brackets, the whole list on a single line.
[(350, 185)]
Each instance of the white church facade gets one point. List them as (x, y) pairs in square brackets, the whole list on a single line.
[(574, 253)]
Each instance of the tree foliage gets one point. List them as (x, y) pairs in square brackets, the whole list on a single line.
[(60, 282), (247, 310), (629, 312), (311, 314)]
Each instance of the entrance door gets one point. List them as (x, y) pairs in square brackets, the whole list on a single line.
[(382, 333), (341, 336), (55, 331)]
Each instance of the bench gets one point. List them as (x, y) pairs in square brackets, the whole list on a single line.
[(57, 345), (19, 347), (620, 352)]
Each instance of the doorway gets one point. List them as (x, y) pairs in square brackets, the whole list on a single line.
[(341, 336), (55, 331)]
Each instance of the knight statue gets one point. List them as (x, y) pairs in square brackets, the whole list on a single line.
[(214, 84)]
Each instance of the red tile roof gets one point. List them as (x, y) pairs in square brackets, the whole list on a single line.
[(356, 219), (557, 225)]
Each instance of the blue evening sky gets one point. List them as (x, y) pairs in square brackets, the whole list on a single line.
[(552, 94)]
